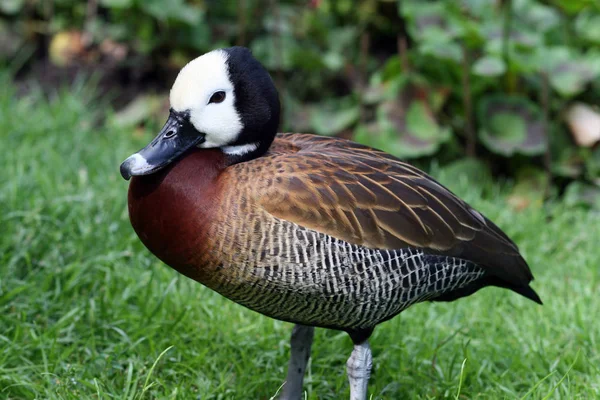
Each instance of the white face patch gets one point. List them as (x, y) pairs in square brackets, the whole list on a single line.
[(194, 86)]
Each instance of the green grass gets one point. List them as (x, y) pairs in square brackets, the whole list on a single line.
[(87, 312)]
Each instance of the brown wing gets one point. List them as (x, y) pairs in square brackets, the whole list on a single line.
[(370, 198)]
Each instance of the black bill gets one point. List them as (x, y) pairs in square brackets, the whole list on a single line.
[(177, 136)]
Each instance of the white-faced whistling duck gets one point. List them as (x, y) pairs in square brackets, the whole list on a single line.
[(317, 231)]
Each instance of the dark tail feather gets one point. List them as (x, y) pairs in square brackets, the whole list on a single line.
[(525, 291), (528, 292)]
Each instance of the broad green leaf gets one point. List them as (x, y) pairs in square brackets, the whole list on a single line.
[(334, 117), (339, 39), (429, 22), (536, 16), (509, 125), (197, 36), (420, 122), (309, 59), (116, 3), (587, 26), (583, 195), (478, 8), (442, 49), (570, 79), (489, 66), (521, 39), (405, 131), (373, 94), (175, 10), (471, 169), (569, 72), (275, 56), (333, 61), (391, 69), (11, 6), (573, 6)]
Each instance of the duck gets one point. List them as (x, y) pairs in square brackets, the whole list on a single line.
[(317, 231)]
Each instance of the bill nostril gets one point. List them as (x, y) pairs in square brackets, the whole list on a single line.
[(169, 134)]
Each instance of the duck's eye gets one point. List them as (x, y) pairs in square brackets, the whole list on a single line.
[(217, 97)]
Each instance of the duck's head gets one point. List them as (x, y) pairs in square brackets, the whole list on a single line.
[(224, 99)]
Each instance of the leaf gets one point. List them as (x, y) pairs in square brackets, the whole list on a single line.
[(339, 39), (442, 49), (536, 16), (587, 26), (175, 10), (579, 194), (520, 39), (275, 57), (334, 117), (405, 122), (570, 79), (197, 36), (510, 125), (412, 134), (471, 169), (373, 94), (420, 121), (308, 59), (116, 3), (430, 26), (11, 7), (568, 72), (333, 61), (573, 6), (489, 66)]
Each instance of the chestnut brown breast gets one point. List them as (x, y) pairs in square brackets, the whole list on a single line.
[(172, 211)]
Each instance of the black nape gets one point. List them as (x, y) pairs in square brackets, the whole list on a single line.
[(256, 101)]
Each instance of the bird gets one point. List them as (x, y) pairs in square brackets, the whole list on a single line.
[(317, 231)]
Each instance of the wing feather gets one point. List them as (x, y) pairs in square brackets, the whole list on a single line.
[(370, 198)]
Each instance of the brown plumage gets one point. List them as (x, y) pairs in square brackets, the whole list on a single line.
[(313, 230), (370, 198), (211, 222)]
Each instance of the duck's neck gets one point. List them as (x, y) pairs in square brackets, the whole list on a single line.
[(245, 152)]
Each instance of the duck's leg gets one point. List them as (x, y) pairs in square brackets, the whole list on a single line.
[(301, 341), (358, 368)]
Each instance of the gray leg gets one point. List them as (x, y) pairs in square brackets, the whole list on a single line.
[(358, 368), (301, 341)]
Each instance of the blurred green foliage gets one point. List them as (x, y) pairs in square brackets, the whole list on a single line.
[(497, 78)]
